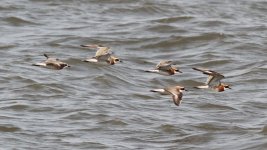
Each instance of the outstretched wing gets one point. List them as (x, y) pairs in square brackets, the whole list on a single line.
[(46, 55), (50, 58), (164, 65), (204, 71), (177, 98), (213, 77), (214, 80), (176, 95), (104, 57), (102, 51), (209, 79)]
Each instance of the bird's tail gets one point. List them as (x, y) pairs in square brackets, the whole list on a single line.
[(158, 90), (202, 87), (155, 71), (39, 64)]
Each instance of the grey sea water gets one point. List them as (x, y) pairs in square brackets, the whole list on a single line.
[(90, 106)]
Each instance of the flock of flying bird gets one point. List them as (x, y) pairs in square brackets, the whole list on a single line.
[(103, 55)]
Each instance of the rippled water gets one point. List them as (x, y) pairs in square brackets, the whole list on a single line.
[(90, 106)]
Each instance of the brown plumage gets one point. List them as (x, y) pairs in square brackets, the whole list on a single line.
[(102, 55), (52, 63), (175, 91), (213, 80), (165, 67)]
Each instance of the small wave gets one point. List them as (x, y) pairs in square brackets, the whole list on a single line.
[(190, 84), (165, 29), (196, 139), (43, 90), (80, 115), (8, 8), (63, 40), (259, 6), (264, 130), (215, 106), (17, 21), (212, 23), (213, 63), (111, 80), (8, 128), (175, 41), (169, 128), (206, 37), (142, 96), (258, 105), (217, 126), (116, 122), (3, 46), (16, 107), (173, 19), (111, 1), (141, 10)]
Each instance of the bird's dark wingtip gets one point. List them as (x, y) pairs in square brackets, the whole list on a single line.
[(83, 45), (194, 68), (46, 55)]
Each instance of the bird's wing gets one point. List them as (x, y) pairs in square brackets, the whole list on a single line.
[(46, 55), (213, 77), (164, 63), (51, 59), (104, 57), (102, 51), (166, 68), (176, 95), (214, 80), (204, 71), (177, 98), (53, 63), (209, 79)]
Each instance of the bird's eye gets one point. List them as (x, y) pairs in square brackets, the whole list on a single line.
[(181, 88), (117, 60)]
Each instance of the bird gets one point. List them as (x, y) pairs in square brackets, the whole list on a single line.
[(175, 91), (103, 54), (213, 80), (52, 63), (165, 67)]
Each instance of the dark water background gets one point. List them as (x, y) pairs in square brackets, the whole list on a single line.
[(92, 106)]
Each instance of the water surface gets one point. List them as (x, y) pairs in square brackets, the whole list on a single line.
[(91, 106)]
